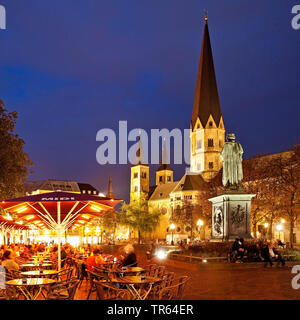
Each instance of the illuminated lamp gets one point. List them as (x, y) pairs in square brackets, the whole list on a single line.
[(22, 209), (85, 216), (96, 208), (29, 217)]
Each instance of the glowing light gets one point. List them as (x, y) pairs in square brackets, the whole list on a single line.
[(97, 230), (96, 208), (8, 217), (22, 209), (29, 217), (266, 225), (101, 194), (81, 221), (204, 260), (279, 227), (172, 226), (161, 254), (282, 220), (85, 216), (200, 223)]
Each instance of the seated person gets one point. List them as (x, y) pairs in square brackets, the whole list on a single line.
[(8, 261), (130, 257), (270, 254), (240, 250), (54, 254), (94, 261)]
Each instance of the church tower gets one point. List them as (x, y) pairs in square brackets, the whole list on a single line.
[(207, 126), (139, 181), (110, 193), (164, 173)]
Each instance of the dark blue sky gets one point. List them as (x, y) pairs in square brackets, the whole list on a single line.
[(71, 68)]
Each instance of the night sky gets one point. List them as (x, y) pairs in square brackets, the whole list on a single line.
[(71, 68)]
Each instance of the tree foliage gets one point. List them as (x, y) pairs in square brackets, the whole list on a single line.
[(139, 216), (14, 162)]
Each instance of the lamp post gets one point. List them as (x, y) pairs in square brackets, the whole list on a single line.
[(98, 232), (266, 227), (172, 227), (200, 223)]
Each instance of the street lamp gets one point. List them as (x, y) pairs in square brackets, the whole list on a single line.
[(266, 225), (279, 227), (200, 223), (97, 232), (282, 220), (172, 227)]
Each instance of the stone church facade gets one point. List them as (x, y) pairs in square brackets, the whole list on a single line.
[(207, 138)]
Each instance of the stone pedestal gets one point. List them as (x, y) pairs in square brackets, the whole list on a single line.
[(231, 216)]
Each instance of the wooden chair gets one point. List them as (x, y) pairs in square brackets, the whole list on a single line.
[(152, 270), (110, 291), (64, 290), (161, 272), (173, 292), (98, 275)]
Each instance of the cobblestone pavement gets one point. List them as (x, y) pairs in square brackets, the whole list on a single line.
[(240, 284), (246, 283)]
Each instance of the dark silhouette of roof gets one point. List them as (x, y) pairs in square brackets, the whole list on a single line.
[(164, 167), (206, 100)]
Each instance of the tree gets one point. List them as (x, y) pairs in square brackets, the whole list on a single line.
[(191, 210), (108, 222), (139, 216), (259, 179), (287, 170), (14, 162)]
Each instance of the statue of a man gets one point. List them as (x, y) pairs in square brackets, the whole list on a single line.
[(232, 156)]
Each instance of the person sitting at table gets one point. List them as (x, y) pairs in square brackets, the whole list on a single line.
[(130, 257), (54, 253), (8, 261), (96, 260)]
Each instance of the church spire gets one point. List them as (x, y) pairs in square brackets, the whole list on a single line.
[(110, 193), (164, 162), (139, 154), (206, 100)]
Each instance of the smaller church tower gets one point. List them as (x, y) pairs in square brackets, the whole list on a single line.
[(139, 181), (164, 173), (207, 126), (110, 193)]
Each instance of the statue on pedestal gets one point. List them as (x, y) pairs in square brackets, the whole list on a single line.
[(232, 156)]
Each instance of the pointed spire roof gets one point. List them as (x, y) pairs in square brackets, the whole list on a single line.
[(164, 162), (139, 154), (110, 193), (206, 100)]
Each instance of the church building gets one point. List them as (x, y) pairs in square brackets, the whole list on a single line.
[(207, 140)]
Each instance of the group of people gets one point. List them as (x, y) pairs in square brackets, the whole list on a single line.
[(12, 256), (126, 258), (259, 251)]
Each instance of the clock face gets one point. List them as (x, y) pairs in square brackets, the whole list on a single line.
[(218, 221)]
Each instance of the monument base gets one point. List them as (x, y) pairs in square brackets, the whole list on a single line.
[(231, 216)]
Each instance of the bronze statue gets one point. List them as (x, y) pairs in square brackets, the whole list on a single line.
[(232, 156)]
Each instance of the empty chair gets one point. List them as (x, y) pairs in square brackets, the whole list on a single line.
[(173, 292), (109, 291)]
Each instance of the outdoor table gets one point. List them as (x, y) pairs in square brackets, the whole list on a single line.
[(35, 266), (44, 261), (30, 283), (130, 270), (37, 273), (135, 285)]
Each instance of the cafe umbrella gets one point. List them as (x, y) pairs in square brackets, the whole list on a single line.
[(58, 210)]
